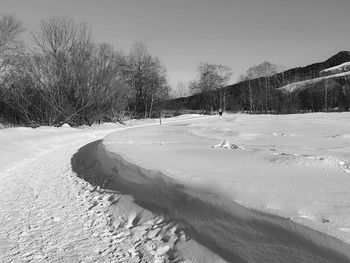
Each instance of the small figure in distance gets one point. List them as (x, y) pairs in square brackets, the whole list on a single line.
[(220, 112)]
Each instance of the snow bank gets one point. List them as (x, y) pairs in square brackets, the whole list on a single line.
[(236, 233), (293, 166)]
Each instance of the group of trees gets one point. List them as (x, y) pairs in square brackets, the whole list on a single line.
[(265, 88), (212, 91), (258, 93), (181, 90), (325, 94), (269, 88), (66, 77), (147, 77), (209, 89), (211, 85)]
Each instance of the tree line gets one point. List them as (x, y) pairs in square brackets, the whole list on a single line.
[(269, 88), (66, 77)]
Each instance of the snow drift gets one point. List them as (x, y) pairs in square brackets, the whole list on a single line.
[(234, 232)]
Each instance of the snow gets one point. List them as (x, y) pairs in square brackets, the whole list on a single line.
[(21, 143), (302, 84), (293, 166), (181, 189), (336, 69), (49, 214)]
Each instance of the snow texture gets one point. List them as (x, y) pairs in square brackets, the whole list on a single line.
[(294, 166), (237, 188), (48, 214)]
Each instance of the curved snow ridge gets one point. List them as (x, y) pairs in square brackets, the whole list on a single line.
[(236, 233)]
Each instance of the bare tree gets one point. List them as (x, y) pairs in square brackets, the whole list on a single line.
[(147, 77), (10, 43), (11, 50), (61, 67), (181, 90), (193, 86), (211, 79), (262, 95), (66, 77)]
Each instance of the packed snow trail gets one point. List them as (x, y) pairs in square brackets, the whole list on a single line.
[(47, 213), (44, 209)]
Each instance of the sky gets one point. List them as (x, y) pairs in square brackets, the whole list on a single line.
[(183, 33)]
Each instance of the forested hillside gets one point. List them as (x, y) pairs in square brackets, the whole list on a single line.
[(266, 95)]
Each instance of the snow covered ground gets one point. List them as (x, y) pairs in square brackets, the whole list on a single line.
[(294, 166), (177, 191), (48, 214)]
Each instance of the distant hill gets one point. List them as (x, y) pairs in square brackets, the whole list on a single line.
[(313, 70), (301, 85), (344, 67), (334, 68), (267, 94)]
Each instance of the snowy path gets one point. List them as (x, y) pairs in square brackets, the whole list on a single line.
[(43, 213), (48, 214)]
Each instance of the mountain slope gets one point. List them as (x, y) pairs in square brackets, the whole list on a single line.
[(263, 94)]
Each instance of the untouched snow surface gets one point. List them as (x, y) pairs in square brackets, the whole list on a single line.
[(202, 171)]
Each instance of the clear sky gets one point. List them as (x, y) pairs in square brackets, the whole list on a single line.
[(182, 33)]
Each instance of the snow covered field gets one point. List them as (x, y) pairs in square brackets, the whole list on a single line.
[(294, 166), (191, 181)]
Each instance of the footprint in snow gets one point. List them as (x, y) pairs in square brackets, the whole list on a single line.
[(56, 219), (325, 220)]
